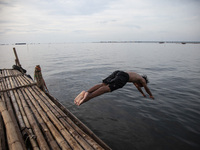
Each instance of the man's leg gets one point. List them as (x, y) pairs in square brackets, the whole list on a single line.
[(81, 95), (94, 88), (103, 89)]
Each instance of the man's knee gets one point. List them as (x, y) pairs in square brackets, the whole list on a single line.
[(103, 84), (107, 88)]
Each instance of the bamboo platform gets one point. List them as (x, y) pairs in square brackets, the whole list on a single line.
[(33, 119)]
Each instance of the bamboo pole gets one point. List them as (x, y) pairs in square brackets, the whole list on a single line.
[(28, 80), (16, 72), (39, 79), (38, 111), (70, 129), (15, 88), (58, 124), (12, 137), (40, 138), (1, 73), (12, 113), (55, 110), (91, 141), (14, 103), (6, 99), (83, 130), (25, 118), (70, 124), (40, 114), (72, 142), (45, 130), (2, 134), (7, 72), (17, 59), (17, 112)]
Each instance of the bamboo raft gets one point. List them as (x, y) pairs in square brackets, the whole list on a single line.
[(33, 119)]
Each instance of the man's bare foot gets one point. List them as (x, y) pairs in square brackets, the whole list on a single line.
[(79, 97), (83, 99)]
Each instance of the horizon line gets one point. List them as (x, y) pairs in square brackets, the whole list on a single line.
[(107, 41)]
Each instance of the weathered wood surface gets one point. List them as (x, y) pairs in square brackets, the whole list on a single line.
[(39, 121), (2, 135), (12, 136)]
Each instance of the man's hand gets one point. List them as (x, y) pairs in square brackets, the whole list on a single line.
[(143, 94), (151, 97)]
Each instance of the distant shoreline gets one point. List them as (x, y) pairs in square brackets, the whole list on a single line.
[(159, 42)]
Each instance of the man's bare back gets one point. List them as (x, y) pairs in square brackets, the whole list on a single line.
[(134, 77)]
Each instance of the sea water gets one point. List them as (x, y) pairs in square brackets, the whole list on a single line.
[(124, 119)]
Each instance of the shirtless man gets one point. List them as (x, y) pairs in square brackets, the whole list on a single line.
[(115, 81)]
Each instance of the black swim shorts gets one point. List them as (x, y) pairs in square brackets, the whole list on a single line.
[(116, 80)]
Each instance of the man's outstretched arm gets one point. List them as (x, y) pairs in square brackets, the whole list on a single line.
[(139, 89), (148, 91)]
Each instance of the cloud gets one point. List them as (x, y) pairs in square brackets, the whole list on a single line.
[(93, 20)]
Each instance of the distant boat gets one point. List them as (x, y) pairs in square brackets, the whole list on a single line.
[(183, 43), (20, 43), (161, 42)]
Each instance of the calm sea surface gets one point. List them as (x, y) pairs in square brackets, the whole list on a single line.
[(124, 119)]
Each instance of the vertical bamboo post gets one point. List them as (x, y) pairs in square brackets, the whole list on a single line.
[(39, 79), (17, 59)]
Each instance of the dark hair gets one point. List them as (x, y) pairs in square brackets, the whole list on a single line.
[(146, 79)]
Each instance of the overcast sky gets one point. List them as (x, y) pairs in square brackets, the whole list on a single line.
[(59, 21)]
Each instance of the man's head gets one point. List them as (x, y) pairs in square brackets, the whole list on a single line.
[(140, 82), (146, 79)]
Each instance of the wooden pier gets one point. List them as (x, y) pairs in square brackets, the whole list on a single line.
[(33, 119)]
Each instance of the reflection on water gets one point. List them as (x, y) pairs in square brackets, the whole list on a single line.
[(124, 119)]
